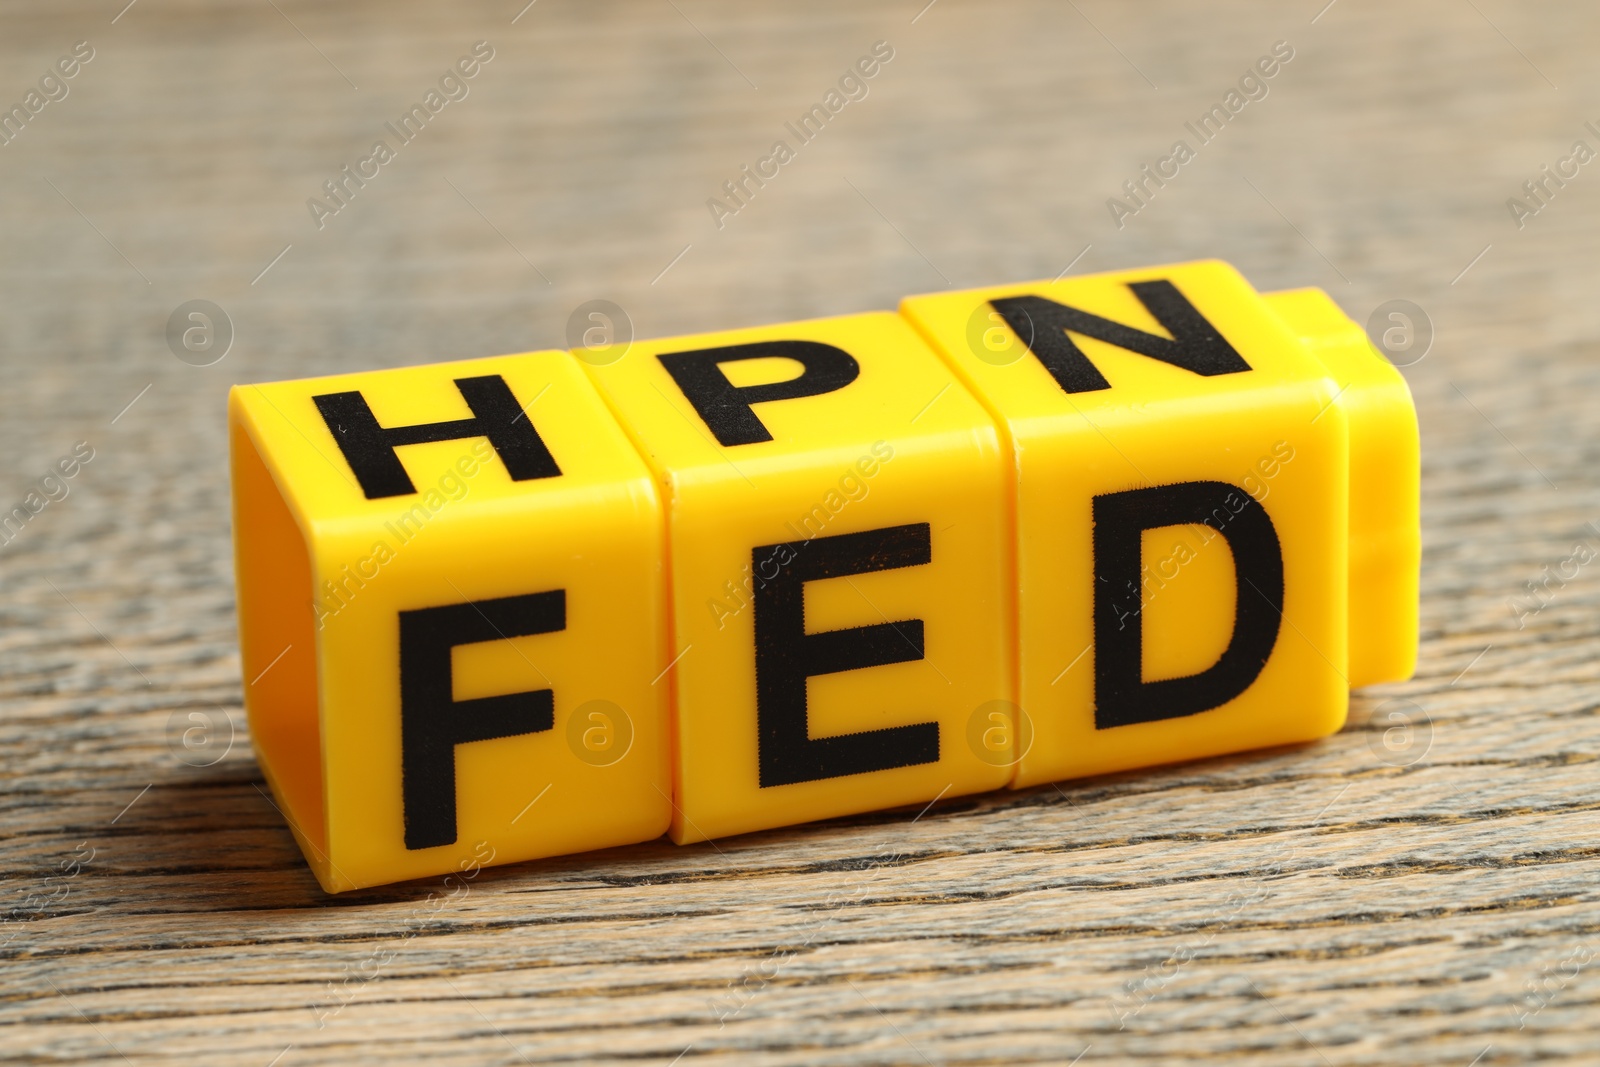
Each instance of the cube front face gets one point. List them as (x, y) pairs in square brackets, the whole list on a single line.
[(839, 525), (485, 631), (1181, 496)]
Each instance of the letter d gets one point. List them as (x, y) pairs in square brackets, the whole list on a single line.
[(1122, 697)]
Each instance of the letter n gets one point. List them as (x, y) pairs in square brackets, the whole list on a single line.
[(1043, 325)]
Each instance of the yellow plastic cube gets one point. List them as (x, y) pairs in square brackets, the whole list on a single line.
[(1385, 485), (838, 530), (1183, 502), (451, 610)]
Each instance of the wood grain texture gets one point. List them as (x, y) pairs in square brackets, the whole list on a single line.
[(1376, 898)]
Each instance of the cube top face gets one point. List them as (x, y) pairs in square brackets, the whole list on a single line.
[(724, 405), (401, 434), (477, 652), (841, 586), (1116, 347), (1182, 488)]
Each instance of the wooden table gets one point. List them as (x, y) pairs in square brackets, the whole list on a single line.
[(1414, 891)]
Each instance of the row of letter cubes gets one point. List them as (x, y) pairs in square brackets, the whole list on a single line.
[(551, 602)]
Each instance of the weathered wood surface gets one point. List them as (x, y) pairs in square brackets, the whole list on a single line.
[(1344, 903)]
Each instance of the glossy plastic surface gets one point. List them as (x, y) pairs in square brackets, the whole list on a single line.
[(329, 579), (544, 603)]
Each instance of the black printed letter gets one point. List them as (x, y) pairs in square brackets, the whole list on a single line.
[(1043, 324), (433, 722), (786, 656), (1121, 695), (725, 407), (369, 448)]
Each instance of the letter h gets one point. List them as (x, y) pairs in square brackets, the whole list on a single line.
[(370, 448)]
